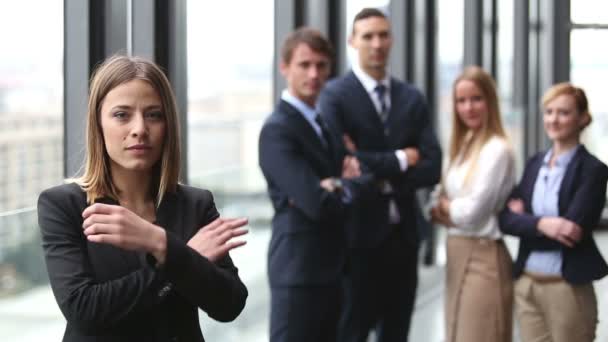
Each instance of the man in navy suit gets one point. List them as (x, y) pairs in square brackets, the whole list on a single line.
[(385, 123), (310, 183)]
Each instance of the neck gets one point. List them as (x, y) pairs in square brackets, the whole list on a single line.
[(133, 188), (560, 147), (377, 74)]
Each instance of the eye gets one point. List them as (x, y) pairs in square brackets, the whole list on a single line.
[(120, 115), (155, 115)]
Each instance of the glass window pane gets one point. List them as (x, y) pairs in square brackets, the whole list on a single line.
[(229, 91), (450, 41), (589, 11), (31, 159), (589, 70), (230, 72), (513, 118)]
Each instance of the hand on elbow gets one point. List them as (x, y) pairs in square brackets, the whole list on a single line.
[(120, 227), (215, 240), (413, 156), (560, 229)]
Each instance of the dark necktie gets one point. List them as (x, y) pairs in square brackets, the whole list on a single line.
[(380, 91), (326, 135)]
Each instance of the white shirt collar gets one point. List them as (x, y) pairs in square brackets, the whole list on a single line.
[(369, 83)]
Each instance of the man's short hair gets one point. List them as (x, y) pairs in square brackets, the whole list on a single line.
[(368, 12), (309, 36)]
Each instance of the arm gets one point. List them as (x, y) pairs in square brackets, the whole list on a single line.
[(585, 207), (87, 303), (494, 178), (285, 168), (203, 271), (522, 224), (427, 169)]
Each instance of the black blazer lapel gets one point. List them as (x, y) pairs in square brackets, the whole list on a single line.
[(566, 187)]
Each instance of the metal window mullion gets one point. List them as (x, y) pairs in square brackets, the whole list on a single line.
[(76, 68)]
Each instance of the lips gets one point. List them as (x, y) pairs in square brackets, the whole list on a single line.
[(139, 147)]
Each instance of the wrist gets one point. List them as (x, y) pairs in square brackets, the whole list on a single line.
[(159, 247), (337, 184)]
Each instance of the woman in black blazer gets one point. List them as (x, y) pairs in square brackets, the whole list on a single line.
[(131, 254), (554, 211)]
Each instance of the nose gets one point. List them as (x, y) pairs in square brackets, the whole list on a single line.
[(313, 71), (139, 127), (376, 42)]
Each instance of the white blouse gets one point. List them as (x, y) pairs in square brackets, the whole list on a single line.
[(474, 206)]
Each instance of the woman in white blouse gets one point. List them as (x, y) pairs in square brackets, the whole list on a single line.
[(476, 182)]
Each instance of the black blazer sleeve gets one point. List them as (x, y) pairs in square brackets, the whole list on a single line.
[(587, 201), (524, 224), (214, 287)]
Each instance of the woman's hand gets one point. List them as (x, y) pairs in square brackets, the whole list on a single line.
[(441, 212), (516, 205), (560, 229), (214, 240), (120, 227)]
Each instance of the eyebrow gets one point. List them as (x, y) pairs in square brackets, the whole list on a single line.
[(127, 107)]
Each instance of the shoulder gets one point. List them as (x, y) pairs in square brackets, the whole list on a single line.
[(341, 84), (407, 89), (197, 201), (64, 193), (591, 162), (63, 202), (498, 144), (193, 194)]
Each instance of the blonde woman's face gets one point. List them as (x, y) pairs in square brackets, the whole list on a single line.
[(471, 104), (133, 125), (562, 121)]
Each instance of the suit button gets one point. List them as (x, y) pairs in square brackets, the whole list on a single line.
[(165, 290)]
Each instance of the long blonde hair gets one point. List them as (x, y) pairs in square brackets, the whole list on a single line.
[(466, 145), (96, 179)]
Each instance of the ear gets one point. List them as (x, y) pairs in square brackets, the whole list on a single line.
[(283, 67), (351, 41), (584, 121)]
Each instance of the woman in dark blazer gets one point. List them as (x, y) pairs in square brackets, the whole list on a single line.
[(131, 254), (554, 211)]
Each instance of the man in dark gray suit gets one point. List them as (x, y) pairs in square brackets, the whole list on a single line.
[(385, 124), (310, 183)]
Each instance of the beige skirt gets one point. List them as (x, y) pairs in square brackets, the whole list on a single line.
[(479, 291)]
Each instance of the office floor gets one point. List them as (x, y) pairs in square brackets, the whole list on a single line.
[(34, 317)]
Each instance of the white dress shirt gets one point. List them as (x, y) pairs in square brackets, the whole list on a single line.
[(474, 206)]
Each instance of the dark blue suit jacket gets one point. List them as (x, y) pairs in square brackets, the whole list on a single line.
[(348, 108), (308, 244), (581, 199)]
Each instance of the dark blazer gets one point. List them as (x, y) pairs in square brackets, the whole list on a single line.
[(581, 199), (110, 294), (348, 108), (307, 246)]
